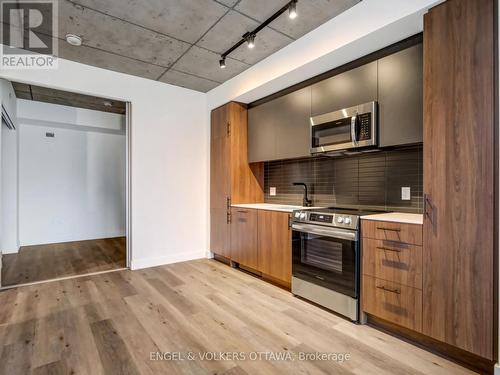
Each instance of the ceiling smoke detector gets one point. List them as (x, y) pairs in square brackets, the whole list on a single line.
[(74, 40)]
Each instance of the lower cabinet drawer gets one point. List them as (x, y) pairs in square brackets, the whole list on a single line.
[(389, 231), (393, 261), (396, 303)]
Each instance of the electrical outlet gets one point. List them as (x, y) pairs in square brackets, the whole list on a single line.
[(406, 193), (272, 191)]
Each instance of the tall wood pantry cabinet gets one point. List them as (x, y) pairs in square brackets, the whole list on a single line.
[(232, 179), (459, 176)]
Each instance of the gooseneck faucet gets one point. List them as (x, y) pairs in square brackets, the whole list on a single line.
[(306, 202)]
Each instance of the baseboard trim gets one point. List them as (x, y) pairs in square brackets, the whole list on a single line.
[(10, 251), (137, 264)]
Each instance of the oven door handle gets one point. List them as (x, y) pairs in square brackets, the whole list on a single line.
[(328, 232)]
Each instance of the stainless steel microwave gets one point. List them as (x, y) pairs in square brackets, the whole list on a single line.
[(345, 129)]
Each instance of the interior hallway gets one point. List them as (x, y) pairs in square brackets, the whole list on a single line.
[(45, 262)]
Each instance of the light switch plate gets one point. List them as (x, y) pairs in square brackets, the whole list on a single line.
[(272, 191), (405, 193)]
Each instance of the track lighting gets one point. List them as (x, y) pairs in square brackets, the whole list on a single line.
[(292, 10), (222, 62), (249, 37), (251, 41)]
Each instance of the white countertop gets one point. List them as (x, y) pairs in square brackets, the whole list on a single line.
[(397, 217), (271, 207)]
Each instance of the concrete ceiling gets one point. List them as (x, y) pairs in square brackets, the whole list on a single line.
[(180, 41), (46, 95)]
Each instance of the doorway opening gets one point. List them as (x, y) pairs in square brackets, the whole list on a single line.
[(65, 184)]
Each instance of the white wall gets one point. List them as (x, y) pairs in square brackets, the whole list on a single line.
[(9, 242), (169, 144), (72, 186), (9, 182)]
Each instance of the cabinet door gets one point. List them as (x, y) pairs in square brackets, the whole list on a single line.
[(400, 85), (459, 94), (280, 129), (219, 182), (292, 115), (356, 86), (275, 245), (244, 237), (261, 133)]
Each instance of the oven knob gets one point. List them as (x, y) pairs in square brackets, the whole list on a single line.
[(347, 220), (297, 215), (302, 215), (340, 220)]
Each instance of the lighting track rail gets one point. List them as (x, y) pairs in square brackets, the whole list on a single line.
[(249, 37)]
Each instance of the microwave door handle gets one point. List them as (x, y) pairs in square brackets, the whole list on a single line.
[(354, 121)]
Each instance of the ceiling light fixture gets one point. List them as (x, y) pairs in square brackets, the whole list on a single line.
[(74, 40), (107, 103), (249, 37), (251, 41), (292, 10)]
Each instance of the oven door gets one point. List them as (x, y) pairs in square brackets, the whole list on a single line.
[(328, 257)]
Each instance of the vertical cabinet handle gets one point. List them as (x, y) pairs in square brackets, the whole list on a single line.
[(428, 208), (228, 210)]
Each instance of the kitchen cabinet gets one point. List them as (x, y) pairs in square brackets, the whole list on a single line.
[(356, 86), (244, 247), (232, 178), (275, 245), (280, 129), (459, 179), (400, 95), (392, 272)]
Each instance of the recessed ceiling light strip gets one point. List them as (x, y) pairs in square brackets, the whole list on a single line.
[(249, 37)]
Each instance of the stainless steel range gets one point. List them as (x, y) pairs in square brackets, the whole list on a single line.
[(326, 258)]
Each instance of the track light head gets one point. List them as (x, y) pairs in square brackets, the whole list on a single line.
[(292, 10), (251, 41), (222, 62)]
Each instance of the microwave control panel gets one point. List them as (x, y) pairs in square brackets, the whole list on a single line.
[(365, 126)]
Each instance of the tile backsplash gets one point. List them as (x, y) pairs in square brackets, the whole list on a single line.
[(365, 181)]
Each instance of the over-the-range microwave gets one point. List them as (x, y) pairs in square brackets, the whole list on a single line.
[(345, 129)]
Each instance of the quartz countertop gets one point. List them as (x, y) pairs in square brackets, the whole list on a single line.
[(271, 207), (397, 217)]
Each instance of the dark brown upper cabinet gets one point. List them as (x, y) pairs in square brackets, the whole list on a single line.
[(400, 92), (356, 86), (280, 129)]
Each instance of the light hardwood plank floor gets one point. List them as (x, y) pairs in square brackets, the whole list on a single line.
[(45, 262), (111, 323)]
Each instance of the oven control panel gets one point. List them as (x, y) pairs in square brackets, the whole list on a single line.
[(330, 219), (320, 218)]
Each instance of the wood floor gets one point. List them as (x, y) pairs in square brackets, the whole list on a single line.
[(111, 323), (45, 262)]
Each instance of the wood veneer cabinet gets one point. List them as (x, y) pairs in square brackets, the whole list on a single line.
[(392, 272), (244, 246), (459, 119), (275, 245), (232, 178)]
